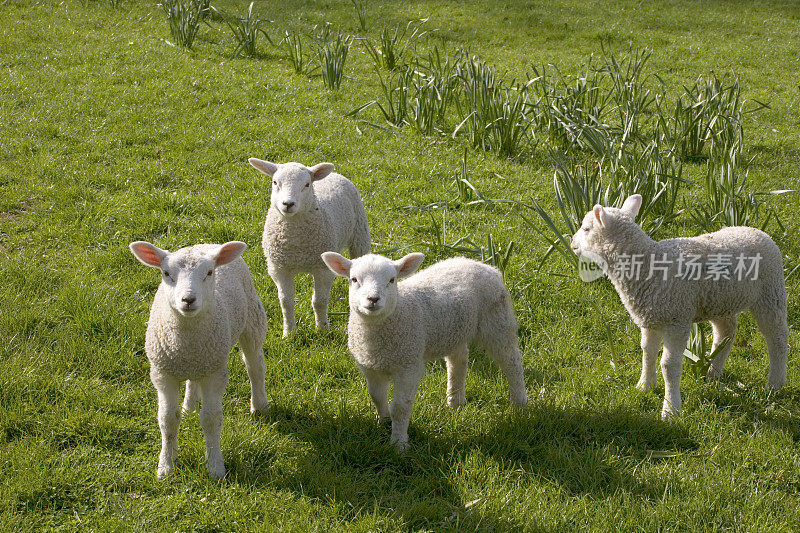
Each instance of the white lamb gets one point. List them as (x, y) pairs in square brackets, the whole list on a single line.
[(394, 328), (667, 285), (205, 304), (309, 215)]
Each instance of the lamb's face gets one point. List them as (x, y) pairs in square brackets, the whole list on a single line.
[(373, 280), (291, 189), (373, 286), (587, 240), (187, 275), (187, 278), (292, 192)]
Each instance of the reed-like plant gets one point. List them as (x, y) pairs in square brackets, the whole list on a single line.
[(392, 44), (497, 254), (245, 30), (394, 107), (361, 13), (332, 58), (292, 46), (698, 349), (184, 18)]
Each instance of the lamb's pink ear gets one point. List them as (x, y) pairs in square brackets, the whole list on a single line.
[(600, 214), (632, 205), (409, 264), (147, 253), (320, 171), (266, 167), (338, 264), (228, 252)]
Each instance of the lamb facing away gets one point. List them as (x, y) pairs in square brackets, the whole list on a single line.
[(309, 215), (395, 327), (205, 304), (667, 285)]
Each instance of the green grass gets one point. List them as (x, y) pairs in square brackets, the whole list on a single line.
[(110, 134)]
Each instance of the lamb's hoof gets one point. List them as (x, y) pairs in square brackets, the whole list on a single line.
[(714, 373), (384, 421), (260, 409), (323, 327), (776, 383), (401, 445), (668, 414), (520, 402), (217, 472), (454, 402), (190, 408), (163, 472), (644, 385)]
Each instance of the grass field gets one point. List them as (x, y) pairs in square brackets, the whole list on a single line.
[(109, 134)]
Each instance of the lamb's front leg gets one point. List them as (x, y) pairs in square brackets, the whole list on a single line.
[(284, 281), (323, 281), (212, 389), (169, 418), (406, 384), (651, 345), (671, 366), (378, 388)]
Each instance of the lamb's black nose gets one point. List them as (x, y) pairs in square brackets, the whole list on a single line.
[(373, 299), (189, 300), (288, 205)]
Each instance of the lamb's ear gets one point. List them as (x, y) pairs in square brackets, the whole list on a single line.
[(320, 171), (600, 214), (147, 253), (338, 264), (266, 167), (409, 264), (228, 252), (632, 205)]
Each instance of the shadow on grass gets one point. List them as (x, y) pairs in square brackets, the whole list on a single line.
[(345, 458)]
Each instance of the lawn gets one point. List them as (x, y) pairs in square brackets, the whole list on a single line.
[(112, 133)]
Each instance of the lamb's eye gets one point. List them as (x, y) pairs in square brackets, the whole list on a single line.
[(307, 185), (391, 280), (166, 274), (354, 280), (210, 272), (586, 229), (274, 182)]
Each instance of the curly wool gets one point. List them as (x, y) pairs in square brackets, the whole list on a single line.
[(336, 221), (664, 299), (434, 314)]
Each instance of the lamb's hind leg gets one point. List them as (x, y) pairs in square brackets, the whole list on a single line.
[(323, 281), (772, 325), (191, 399), (252, 344), (651, 345), (724, 331), (508, 357), (457, 377)]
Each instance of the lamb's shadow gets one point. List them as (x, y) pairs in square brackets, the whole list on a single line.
[(749, 397), (346, 457)]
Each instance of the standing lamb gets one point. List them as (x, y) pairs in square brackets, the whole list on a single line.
[(667, 285), (205, 304), (309, 215), (394, 328)]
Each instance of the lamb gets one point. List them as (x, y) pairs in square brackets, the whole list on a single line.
[(205, 304), (312, 210), (394, 328), (667, 285)]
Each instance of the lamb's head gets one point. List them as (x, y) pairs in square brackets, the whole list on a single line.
[(601, 224), (292, 192), (187, 275), (373, 280)]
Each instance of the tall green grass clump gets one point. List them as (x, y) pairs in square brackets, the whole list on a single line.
[(245, 30), (392, 45), (184, 17), (332, 57)]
